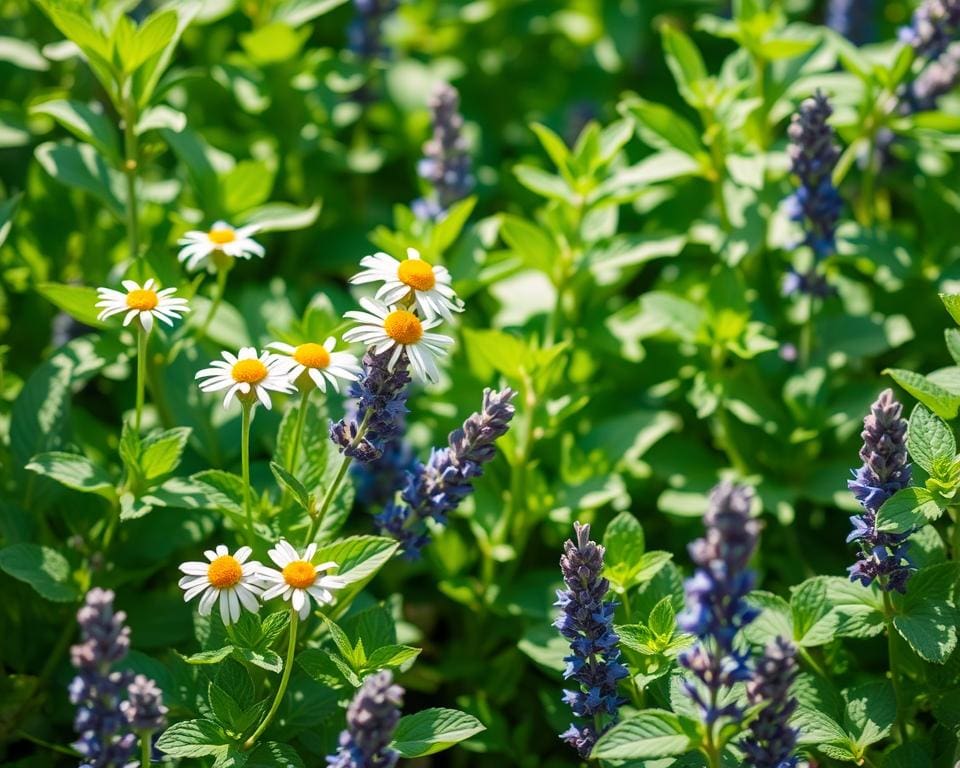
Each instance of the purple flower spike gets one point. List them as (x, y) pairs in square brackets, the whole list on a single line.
[(372, 718)]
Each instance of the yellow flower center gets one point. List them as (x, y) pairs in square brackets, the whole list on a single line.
[(312, 355), (299, 574), (403, 327), (417, 274), (249, 371), (142, 299), (221, 236), (224, 572)]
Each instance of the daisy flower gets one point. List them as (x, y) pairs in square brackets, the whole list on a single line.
[(229, 578), (220, 241), (246, 373), (429, 286), (319, 362), (299, 579), (382, 328), (145, 303)]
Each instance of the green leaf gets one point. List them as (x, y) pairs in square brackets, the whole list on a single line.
[(662, 128), (247, 185), (78, 301), (941, 401), (686, 64), (952, 302), (224, 707), (82, 167), (391, 657), (83, 122), (624, 543), (534, 246), (545, 184), (270, 754), (265, 659), (825, 607), (433, 730), (554, 147), (150, 39), (929, 438), (274, 42), (226, 488), (927, 617), (44, 569), (74, 471), (870, 712), (907, 509), (281, 217), (292, 485), (663, 619), (193, 738), (161, 452), (448, 228), (650, 734), (297, 12), (23, 54), (214, 656), (7, 210)]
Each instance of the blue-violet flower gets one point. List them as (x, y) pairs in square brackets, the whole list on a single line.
[(371, 719), (771, 741)]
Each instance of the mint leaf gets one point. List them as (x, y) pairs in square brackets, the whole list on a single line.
[(433, 730), (193, 738), (926, 616), (650, 734), (44, 569), (908, 509), (929, 438)]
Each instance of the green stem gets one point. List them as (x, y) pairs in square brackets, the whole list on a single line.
[(298, 431), (142, 337), (247, 406), (894, 673), (285, 678), (130, 171), (146, 749), (332, 489), (47, 744), (806, 333), (217, 301), (814, 664)]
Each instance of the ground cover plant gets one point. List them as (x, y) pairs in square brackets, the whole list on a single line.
[(535, 383)]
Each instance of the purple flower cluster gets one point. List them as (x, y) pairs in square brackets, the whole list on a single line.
[(885, 470), (372, 718), (381, 403), (376, 482), (716, 608), (446, 163), (933, 26), (106, 722), (436, 488), (771, 741), (587, 622), (937, 79), (816, 203), (852, 18), (364, 33)]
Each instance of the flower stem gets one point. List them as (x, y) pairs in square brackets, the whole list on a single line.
[(130, 171), (142, 336), (247, 412), (145, 749), (298, 431), (221, 289), (284, 679), (894, 673), (334, 487)]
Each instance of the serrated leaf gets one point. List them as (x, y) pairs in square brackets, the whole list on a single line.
[(624, 542), (73, 471), (391, 657), (941, 401), (270, 754), (265, 659), (663, 619), (825, 607), (906, 510), (292, 485), (44, 569), (870, 712), (193, 738), (926, 616), (358, 559), (160, 452), (433, 730), (85, 123), (210, 657), (929, 438), (650, 734)]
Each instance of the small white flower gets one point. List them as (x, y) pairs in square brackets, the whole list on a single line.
[(144, 303), (299, 579), (228, 577), (429, 286), (221, 240), (245, 373), (320, 363), (382, 327)]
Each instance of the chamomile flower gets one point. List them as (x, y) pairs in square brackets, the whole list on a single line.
[(428, 286), (382, 328), (144, 303), (226, 578), (246, 373), (298, 578), (319, 362), (215, 247)]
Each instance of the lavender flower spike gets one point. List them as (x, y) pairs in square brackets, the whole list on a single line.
[(852, 18), (144, 709), (106, 740), (364, 33), (371, 719), (381, 401), (716, 608), (435, 489), (885, 470), (771, 741), (934, 24), (816, 203), (446, 162), (587, 622)]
